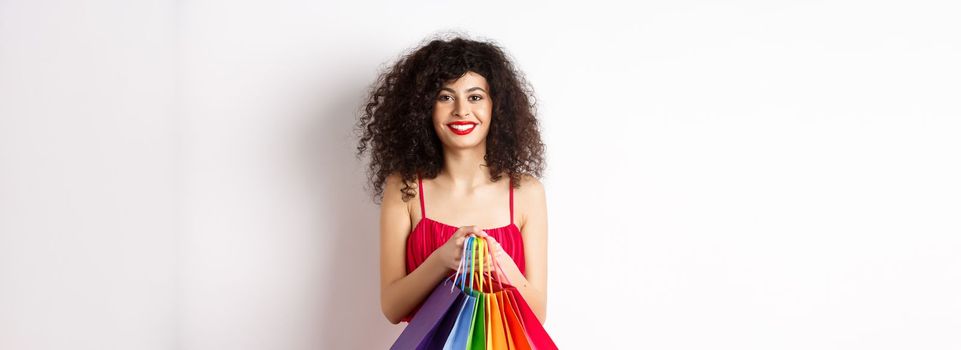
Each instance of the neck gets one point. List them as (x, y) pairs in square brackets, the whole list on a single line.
[(465, 167)]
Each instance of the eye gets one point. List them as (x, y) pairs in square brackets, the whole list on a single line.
[(479, 97), (443, 97)]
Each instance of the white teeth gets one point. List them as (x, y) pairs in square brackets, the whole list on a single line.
[(462, 127)]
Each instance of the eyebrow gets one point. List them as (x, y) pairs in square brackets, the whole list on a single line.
[(468, 90)]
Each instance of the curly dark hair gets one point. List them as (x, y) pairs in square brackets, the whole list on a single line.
[(396, 123)]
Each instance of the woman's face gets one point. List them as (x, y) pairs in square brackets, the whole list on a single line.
[(462, 111)]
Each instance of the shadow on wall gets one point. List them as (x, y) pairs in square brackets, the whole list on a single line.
[(348, 313)]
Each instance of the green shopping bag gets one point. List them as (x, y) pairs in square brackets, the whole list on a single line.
[(478, 333)]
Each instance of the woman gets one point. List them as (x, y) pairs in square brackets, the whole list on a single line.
[(455, 150)]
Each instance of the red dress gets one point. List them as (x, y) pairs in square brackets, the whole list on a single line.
[(429, 235)]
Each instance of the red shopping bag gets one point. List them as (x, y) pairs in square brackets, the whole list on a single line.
[(533, 331)]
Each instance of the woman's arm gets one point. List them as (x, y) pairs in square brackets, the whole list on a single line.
[(534, 233), (400, 292)]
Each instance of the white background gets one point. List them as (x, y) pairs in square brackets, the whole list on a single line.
[(736, 175)]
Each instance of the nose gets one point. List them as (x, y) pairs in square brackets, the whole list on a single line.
[(461, 108)]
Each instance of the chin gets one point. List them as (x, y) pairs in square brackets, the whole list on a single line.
[(464, 144)]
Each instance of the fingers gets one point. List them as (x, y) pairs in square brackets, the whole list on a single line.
[(496, 251), (490, 267), (461, 234), (490, 239), (495, 246)]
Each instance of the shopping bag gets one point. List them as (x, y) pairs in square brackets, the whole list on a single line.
[(532, 326), (435, 320), (478, 334), (469, 311), (478, 339), (497, 336), (428, 317), (440, 335), (533, 330), (460, 334), (516, 334)]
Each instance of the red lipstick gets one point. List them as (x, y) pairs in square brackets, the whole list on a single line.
[(461, 128)]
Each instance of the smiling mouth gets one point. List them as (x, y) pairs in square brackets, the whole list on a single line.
[(461, 128)]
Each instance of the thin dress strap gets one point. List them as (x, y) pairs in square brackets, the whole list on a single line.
[(420, 194), (510, 183)]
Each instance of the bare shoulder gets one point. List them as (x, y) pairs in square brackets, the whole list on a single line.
[(393, 187), (396, 213), (393, 181), (529, 201), (530, 188)]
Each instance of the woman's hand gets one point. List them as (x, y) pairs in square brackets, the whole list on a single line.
[(449, 254), (495, 249)]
